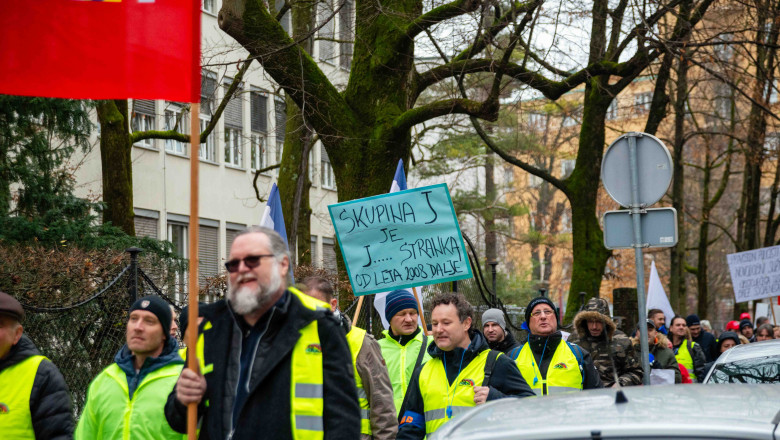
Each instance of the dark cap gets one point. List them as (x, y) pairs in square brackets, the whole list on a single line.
[(745, 323), (11, 307), (692, 320), (535, 302), (159, 307), (650, 324)]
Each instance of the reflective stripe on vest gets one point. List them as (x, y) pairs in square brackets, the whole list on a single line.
[(563, 374), (306, 388), (204, 369), (400, 361), (684, 357), (438, 394), (355, 338), (16, 383)]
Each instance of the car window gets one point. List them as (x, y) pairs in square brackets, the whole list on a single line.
[(765, 369)]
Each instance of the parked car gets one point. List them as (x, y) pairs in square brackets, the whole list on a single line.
[(758, 362), (722, 411)]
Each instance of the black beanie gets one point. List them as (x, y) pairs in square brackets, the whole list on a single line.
[(540, 300), (159, 307)]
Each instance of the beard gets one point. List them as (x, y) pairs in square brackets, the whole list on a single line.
[(245, 300)]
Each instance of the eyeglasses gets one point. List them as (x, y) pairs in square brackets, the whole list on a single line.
[(539, 313), (251, 261)]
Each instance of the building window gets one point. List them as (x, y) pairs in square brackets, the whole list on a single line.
[(509, 175), (209, 6), (258, 152), (536, 120), (233, 147), (534, 181), (771, 145), (208, 149), (345, 35), (327, 31), (724, 49), (143, 122), (642, 102), (567, 167), (612, 111), (177, 235), (773, 92), (327, 180), (174, 120), (570, 119), (565, 221)]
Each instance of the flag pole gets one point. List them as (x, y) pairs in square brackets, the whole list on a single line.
[(420, 308), (357, 310), (192, 323)]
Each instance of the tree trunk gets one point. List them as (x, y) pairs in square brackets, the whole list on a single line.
[(677, 257), (116, 160), (704, 228), (491, 245), (589, 253)]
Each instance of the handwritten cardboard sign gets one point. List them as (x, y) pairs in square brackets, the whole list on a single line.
[(402, 239), (755, 274)]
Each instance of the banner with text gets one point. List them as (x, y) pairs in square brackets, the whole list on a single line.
[(755, 274), (402, 239)]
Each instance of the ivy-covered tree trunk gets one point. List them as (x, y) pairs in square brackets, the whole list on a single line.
[(589, 253), (115, 157), (678, 252)]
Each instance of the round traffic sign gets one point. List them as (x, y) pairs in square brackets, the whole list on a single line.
[(654, 169)]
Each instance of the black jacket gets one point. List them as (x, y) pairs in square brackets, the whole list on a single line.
[(507, 345), (266, 411), (708, 345), (50, 406), (505, 381), (543, 348)]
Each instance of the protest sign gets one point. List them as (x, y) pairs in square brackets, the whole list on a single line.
[(755, 274), (403, 239)]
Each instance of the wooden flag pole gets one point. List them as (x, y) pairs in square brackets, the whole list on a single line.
[(357, 310), (422, 315), (192, 324), (772, 309)]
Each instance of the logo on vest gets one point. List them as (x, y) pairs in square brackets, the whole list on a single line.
[(145, 303), (4, 408), (466, 383), (314, 349), (560, 366)]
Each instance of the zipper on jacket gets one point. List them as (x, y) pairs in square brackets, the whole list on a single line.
[(249, 370)]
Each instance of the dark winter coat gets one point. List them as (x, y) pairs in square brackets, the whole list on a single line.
[(708, 345), (50, 406), (505, 381), (611, 345), (663, 356), (505, 346), (266, 410)]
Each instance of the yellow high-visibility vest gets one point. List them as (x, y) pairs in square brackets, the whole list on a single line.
[(563, 374), (355, 338), (684, 357), (16, 384), (438, 394)]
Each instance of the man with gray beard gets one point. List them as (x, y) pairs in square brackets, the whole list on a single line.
[(275, 363)]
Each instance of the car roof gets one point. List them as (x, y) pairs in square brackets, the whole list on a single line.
[(746, 411), (748, 351)]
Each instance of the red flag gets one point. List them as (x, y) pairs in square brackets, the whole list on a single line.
[(118, 49)]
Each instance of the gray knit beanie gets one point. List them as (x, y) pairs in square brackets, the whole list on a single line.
[(494, 315)]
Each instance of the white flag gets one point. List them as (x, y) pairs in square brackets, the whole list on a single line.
[(656, 296)]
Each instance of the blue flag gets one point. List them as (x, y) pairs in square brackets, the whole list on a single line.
[(399, 180), (272, 216)]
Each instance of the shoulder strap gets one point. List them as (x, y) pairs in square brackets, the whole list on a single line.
[(580, 359), (491, 360), (516, 352)]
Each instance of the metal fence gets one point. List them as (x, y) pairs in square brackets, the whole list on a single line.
[(81, 339)]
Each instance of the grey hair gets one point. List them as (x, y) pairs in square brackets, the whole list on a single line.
[(274, 240)]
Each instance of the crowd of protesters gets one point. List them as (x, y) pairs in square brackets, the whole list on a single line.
[(281, 361)]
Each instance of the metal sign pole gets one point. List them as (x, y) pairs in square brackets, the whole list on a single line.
[(636, 214)]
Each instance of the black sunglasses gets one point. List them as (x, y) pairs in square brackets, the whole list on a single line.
[(251, 261)]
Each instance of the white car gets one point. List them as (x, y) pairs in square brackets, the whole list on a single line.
[(758, 362), (690, 412)]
